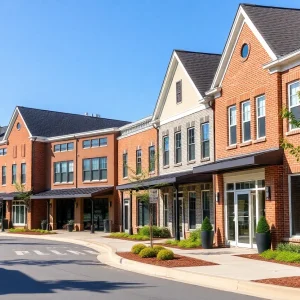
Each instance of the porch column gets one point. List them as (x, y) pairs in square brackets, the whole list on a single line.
[(9, 213), (130, 214), (78, 219), (52, 217), (177, 225), (122, 211), (219, 218)]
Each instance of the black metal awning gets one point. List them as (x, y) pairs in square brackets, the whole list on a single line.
[(266, 158), (73, 193), (166, 180)]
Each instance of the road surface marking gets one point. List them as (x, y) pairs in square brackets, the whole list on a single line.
[(40, 252), (57, 252), (22, 252)]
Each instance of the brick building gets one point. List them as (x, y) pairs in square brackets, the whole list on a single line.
[(255, 79), (67, 161)]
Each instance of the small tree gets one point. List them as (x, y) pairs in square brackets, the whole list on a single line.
[(291, 148), (23, 195)]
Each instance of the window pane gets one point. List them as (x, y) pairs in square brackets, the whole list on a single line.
[(95, 143), (246, 132), (86, 164), (295, 203), (246, 111), (103, 141), (205, 131), (87, 144), (192, 210), (294, 89), (233, 135), (296, 112), (261, 106), (232, 115), (95, 164), (63, 147), (206, 204), (262, 127), (56, 148), (70, 146), (191, 144), (87, 175)]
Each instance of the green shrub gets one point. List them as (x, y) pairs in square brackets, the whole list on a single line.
[(145, 231), (288, 247), (119, 235), (206, 225), (262, 226), (195, 235), (136, 249), (165, 255), (164, 232), (286, 256), (158, 248), (158, 232), (147, 252), (189, 244), (269, 254)]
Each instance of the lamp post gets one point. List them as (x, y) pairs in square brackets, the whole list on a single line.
[(92, 225)]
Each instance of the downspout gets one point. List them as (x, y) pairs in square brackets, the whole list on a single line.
[(32, 163), (76, 162), (157, 172)]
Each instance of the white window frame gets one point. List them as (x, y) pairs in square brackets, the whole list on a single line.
[(243, 121), (202, 140), (15, 204), (165, 198), (258, 117), (290, 204), (231, 125), (289, 101), (192, 192)]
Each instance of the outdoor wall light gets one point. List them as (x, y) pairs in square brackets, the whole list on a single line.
[(268, 193), (217, 197)]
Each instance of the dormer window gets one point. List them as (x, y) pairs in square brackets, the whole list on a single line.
[(179, 91)]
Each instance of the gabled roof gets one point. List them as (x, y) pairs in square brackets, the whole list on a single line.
[(2, 132), (280, 27), (46, 123), (199, 66)]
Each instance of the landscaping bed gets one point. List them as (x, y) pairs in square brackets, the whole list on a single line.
[(293, 282), (177, 247), (258, 257), (178, 261), (31, 231)]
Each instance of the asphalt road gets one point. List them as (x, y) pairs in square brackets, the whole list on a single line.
[(37, 269)]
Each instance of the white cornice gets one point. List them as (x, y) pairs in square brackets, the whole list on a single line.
[(134, 132)]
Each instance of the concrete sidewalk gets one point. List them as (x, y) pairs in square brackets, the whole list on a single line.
[(232, 274)]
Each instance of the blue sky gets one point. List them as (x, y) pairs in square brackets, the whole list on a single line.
[(103, 56)]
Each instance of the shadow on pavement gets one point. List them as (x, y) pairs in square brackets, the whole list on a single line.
[(45, 263), (16, 282)]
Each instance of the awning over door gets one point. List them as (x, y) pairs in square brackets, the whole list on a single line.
[(74, 193), (266, 158)]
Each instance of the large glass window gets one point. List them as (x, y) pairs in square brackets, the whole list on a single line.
[(191, 144), (63, 171), (294, 101), (95, 169), (3, 175), (246, 121), (151, 159), (166, 150), (18, 213), (102, 142), (230, 216), (166, 213), (144, 213), (232, 124), (125, 165), (192, 210), (177, 147), (14, 174), (205, 140), (295, 205), (261, 116), (138, 161), (205, 204), (23, 173)]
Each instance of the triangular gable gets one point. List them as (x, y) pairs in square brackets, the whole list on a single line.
[(12, 121), (241, 18), (172, 67)]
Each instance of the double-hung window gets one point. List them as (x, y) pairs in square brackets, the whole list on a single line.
[(192, 210), (125, 165), (261, 116), (166, 214), (294, 101), (95, 169), (166, 150), (232, 124), (138, 161), (23, 173), (63, 172), (177, 147), (3, 175), (151, 158), (205, 204), (191, 144), (14, 174), (246, 121), (205, 140)]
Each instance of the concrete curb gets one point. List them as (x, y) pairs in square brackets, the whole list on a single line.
[(108, 255)]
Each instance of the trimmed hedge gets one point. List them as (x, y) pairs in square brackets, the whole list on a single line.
[(288, 247), (136, 249), (206, 225), (147, 252), (282, 256), (262, 225), (165, 255), (158, 248), (158, 232)]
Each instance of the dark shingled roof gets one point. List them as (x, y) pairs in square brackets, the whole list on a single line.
[(2, 132), (280, 27), (51, 123), (201, 67), (72, 193)]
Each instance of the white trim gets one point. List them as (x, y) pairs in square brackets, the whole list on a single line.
[(290, 204), (239, 21), (258, 117)]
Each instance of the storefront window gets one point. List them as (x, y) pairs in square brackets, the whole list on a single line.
[(295, 205), (230, 216), (19, 212)]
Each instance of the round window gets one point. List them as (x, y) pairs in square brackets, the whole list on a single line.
[(18, 126), (245, 50)]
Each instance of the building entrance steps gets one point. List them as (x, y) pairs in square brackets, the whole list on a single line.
[(233, 273)]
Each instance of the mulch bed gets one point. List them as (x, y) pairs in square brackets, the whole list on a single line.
[(293, 282), (258, 257), (33, 233), (178, 262)]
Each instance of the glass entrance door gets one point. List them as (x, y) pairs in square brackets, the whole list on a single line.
[(243, 218), (126, 215)]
